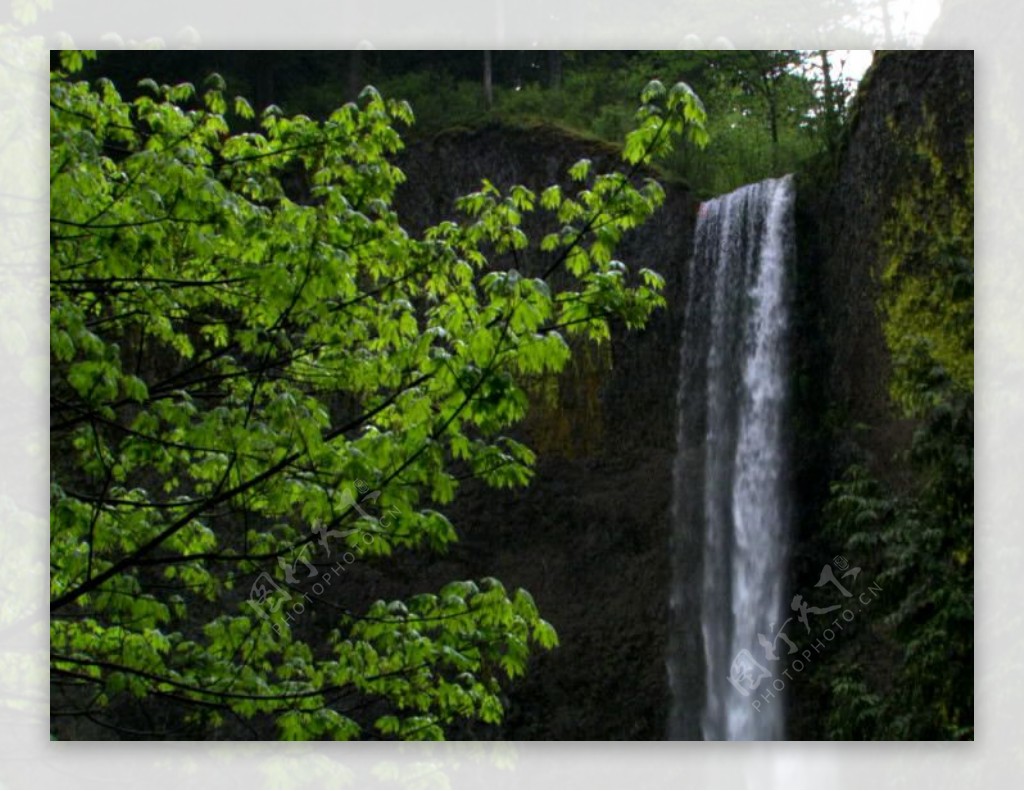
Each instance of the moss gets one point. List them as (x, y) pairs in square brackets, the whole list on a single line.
[(568, 419), (927, 272), (546, 135), (553, 136)]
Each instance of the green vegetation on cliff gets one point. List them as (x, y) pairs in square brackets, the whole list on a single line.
[(769, 111), (912, 674)]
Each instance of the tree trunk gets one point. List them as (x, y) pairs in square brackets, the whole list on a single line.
[(355, 74), (773, 116), (488, 86), (554, 68), (887, 22), (264, 79), (830, 100)]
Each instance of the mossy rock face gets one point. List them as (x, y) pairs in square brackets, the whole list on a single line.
[(886, 282), (914, 112), (928, 269)]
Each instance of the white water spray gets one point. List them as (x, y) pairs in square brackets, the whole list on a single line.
[(730, 503)]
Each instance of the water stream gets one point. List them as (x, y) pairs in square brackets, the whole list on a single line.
[(730, 504)]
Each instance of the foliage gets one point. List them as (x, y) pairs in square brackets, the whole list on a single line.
[(250, 355), (762, 106), (929, 280), (761, 109), (921, 537), (441, 100), (770, 111), (766, 109)]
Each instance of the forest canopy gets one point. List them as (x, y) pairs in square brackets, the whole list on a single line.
[(769, 111)]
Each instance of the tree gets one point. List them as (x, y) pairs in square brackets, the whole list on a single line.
[(250, 392), (763, 71), (825, 68), (488, 79), (555, 69)]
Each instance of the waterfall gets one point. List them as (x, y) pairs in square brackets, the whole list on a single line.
[(730, 505)]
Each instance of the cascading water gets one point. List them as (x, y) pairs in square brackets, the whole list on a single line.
[(730, 502)]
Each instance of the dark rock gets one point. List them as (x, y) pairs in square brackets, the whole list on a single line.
[(589, 538)]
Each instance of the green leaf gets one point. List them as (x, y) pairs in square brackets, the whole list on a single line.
[(652, 91), (580, 170), (243, 109)]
